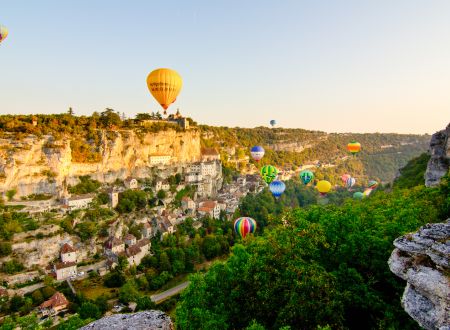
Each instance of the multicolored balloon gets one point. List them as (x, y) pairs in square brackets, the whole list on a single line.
[(269, 173), (323, 187), (257, 153), (354, 147), (367, 192), (277, 188), (306, 177), (164, 85), (350, 182), (244, 226), (345, 177), (273, 122), (3, 33), (358, 195), (373, 184)]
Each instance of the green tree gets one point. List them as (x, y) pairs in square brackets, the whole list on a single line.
[(161, 194), (5, 249), (89, 310), (10, 194), (129, 292)]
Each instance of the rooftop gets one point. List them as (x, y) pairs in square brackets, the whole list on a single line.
[(61, 265), (67, 248), (58, 299)]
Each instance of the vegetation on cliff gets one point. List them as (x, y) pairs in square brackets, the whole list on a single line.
[(315, 266)]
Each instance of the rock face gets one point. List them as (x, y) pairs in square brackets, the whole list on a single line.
[(148, 320), (439, 163), (423, 260), (40, 165)]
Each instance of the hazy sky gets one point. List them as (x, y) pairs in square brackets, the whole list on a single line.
[(337, 66)]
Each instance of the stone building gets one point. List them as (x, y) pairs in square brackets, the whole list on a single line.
[(68, 253)]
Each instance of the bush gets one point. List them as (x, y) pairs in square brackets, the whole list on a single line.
[(5, 249)]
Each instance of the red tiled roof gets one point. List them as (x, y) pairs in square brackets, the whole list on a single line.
[(133, 250), (129, 237), (143, 242), (66, 248), (56, 300), (61, 265)]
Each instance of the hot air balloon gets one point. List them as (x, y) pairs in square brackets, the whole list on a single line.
[(3, 33), (367, 192), (164, 85), (257, 153), (358, 195), (345, 177), (323, 187), (244, 226), (350, 182), (269, 173), (277, 188), (373, 184), (354, 147), (273, 122), (306, 177)]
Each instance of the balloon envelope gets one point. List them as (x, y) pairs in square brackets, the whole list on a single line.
[(354, 147), (367, 192), (350, 182), (323, 186), (164, 85), (273, 122), (345, 177), (244, 226), (269, 173), (3, 33), (257, 153), (358, 195), (277, 188), (306, 177), (373, 184)]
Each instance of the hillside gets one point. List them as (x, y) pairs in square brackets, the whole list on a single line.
[(381, 156)]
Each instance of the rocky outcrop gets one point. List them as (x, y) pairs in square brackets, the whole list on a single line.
[(422, 259), (439, 162), (40, 165), (148, 320)]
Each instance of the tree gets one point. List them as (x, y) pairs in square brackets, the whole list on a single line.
[(129, 292), (5, 249), (15, 303), (89, 310), (37, 297), (102, 303), (109, 118), (145, 303), (11, 193), (73, 323), (161, 194), (47, 292), (143, 116), (70, 111), (114, 279)]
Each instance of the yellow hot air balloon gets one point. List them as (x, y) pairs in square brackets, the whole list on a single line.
[(3, 33), (323, 187), (164, 85)]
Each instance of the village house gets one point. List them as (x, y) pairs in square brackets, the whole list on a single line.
[(159, 159), (68, 253), (113, 198), (130, 183), (209, 208), (162, 185), (210, 154), (114, 246), (129, 239), (54, 305), (147, 230), (187, 204), (138, 251), (165, 227), (78, 202), (64, 270)]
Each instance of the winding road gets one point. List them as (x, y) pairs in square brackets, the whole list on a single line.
[(157, 298)]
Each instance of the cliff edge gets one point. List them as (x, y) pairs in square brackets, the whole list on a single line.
[(439, 163)]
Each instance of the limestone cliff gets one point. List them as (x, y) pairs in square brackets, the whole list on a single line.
[(147, 320), (40, 165), (439, 162), (422, 259)]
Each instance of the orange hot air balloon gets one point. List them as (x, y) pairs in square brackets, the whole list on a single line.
[(164, 85), (354, 147)]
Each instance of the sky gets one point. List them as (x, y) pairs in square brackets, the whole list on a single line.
[(335, 66)]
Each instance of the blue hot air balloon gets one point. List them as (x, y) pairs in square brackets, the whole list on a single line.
[(257, 153), (277, 188), (273, 122)]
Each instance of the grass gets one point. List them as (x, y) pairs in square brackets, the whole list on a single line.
[(173, 282), (93, 288)]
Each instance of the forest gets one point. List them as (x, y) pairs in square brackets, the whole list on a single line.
[(316, 266)]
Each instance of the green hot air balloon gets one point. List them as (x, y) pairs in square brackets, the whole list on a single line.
[(269, 173), (358, 195), (306, 177)]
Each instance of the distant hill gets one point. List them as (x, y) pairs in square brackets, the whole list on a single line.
[(381, 156)]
